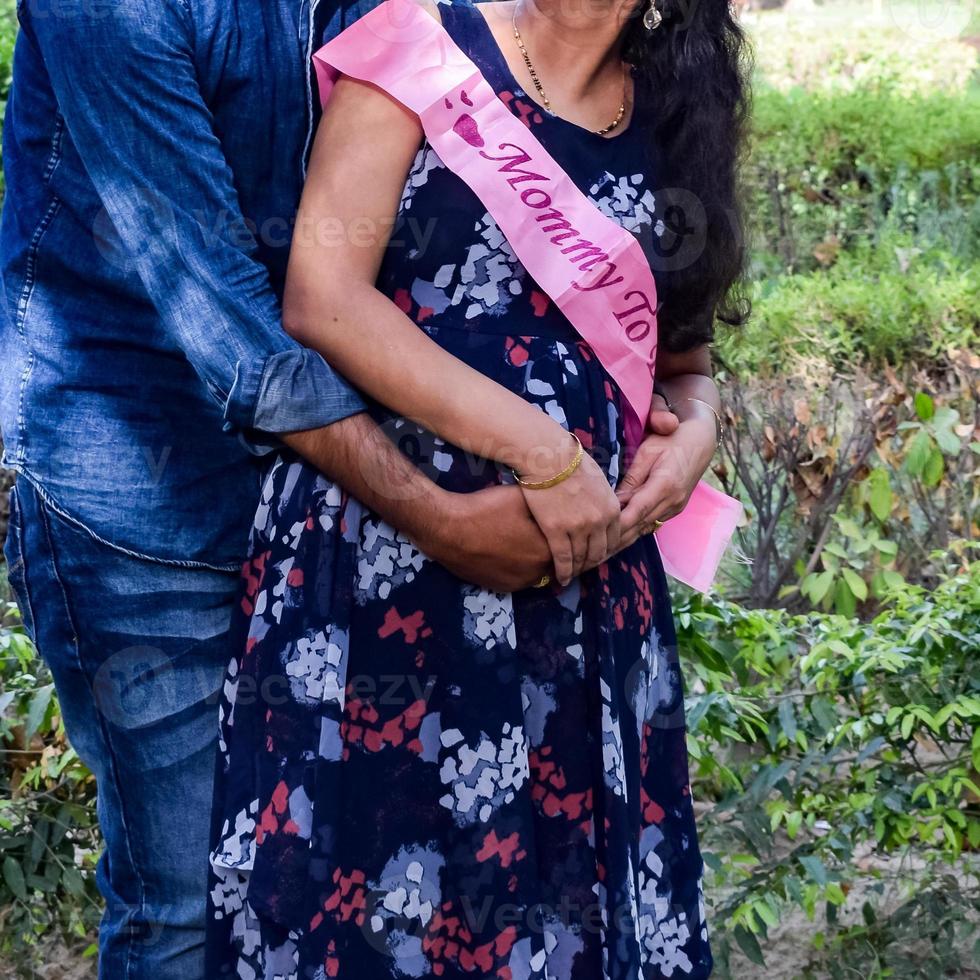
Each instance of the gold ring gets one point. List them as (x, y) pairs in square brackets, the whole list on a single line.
[(656, 526), (542, 582)]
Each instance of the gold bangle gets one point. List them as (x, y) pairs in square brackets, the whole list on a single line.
[(719, 425), (558, 477)]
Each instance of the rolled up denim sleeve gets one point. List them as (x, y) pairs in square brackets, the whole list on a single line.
[(127, 86), (288, 391)]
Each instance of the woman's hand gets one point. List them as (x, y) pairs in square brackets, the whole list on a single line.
[(488, 538), (579, 517), (667, 467)]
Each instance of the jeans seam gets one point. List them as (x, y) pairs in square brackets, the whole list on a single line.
[(30, 277), (121, 549), (110, 752)]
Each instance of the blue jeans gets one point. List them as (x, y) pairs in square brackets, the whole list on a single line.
[(138, 650)]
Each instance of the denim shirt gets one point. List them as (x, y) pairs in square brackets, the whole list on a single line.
[(154, 153)]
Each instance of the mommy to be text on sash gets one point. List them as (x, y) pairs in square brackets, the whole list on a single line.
[(592, 268)]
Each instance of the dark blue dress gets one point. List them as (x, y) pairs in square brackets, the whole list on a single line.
[(422, 778)]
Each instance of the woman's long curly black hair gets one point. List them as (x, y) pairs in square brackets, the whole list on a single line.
[(695, 66)]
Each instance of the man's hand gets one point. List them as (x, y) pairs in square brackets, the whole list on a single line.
[(487, 538), (490, 539), (662, 477)]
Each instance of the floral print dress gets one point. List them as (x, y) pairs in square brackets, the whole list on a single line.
[(421, 778)]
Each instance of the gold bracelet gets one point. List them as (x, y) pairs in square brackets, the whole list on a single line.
[(558, 477), (719, 426)]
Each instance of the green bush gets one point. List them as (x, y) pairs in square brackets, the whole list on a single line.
[(852, 484), (865, 130), (882, 303), (8, 33), (48, 835), (832, 750), (864, 210), (829, 172)]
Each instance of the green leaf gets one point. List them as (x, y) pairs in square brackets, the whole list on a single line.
[(856, 584), (844, 601), (700, 709), (840, 647), (879, 494), (888, 548), (38, 709), (14, 877), (943, 425), (820, 584), (835, 894), (766, 912), (794, 821), (824, 713), (46, 885), (38, 844), (787, 718), (712, 860), (749, 945), (949, 442), (815, 869), (62, 823), (918, 453), (932, 472), (73, 881), (924, 406), (850, 527), (907, 722)]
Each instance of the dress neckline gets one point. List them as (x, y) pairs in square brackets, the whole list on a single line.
[(508, 74)]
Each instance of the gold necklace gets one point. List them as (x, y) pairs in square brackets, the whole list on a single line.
[(540, 88)]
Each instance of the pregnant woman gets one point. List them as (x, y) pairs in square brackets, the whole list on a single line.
[(420, 777)]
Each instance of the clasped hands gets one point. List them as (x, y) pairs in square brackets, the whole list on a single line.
[(506, 539)]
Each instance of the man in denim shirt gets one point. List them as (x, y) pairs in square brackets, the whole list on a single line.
[(154, 154)]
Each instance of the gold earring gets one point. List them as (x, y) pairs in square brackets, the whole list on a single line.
[(652, 19)]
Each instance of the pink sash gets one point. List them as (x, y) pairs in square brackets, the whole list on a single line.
[(593, 269)]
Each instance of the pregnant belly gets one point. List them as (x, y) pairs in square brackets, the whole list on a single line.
[(561, 378)]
